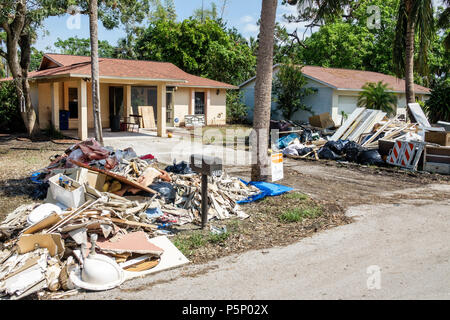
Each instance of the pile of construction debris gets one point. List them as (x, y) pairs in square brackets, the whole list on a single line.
[(106, 218), (371, 137)]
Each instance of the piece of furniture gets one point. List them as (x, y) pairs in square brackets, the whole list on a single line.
[(132, 123)]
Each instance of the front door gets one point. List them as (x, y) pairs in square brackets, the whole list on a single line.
[(199, 103), (115, 107)]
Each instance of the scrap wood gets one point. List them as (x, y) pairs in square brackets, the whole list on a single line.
[(44, 223), (71, 216), (133, 223), (51, 241), (379, 131), (115, 176)]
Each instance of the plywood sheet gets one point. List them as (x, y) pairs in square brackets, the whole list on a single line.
[(148, 117)]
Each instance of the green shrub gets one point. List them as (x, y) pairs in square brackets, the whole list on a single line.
[(10, 118), (438, 106)]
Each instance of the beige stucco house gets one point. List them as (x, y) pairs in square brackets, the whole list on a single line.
[(62, 83)]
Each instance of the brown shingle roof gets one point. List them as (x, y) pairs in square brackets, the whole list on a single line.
[(120, 68), (355, 79)]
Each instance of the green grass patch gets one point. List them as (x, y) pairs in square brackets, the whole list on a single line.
[(297, 196), (297, 214), (218, 238), (187, 244)]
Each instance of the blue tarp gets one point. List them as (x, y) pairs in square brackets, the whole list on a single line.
[(267, 189)]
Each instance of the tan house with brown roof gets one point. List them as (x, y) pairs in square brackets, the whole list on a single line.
[(62, 83), (337, 91)]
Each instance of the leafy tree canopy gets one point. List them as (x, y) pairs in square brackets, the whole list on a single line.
[(205, 49), (82, 47)]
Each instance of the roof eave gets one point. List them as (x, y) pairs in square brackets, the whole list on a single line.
[(209, 87)]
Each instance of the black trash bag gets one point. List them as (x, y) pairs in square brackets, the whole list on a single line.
[(337, 146), (328, 154), (180, 168), (352, 150), (306, 136), (303, 151), (371, 157), (166, 191)]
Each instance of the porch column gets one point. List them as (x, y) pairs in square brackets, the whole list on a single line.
[(128, 108), (82, 110), (207, 104), (55, 91), (191, 110), (161, 110)]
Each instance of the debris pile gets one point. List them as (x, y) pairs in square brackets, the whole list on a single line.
[(370, 137), (106, 218)]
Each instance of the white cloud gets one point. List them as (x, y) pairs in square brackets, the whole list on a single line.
[(247, 19), (251, 28)]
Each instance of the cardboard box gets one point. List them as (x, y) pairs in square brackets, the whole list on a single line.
[(96, 180), (440, 138), (323, 120), (72, 199)]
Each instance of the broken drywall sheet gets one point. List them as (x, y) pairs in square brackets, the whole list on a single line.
[(171, 258)]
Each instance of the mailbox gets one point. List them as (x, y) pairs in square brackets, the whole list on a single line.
[(206, 166), (210, 166)]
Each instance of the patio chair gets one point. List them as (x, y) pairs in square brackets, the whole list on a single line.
[(132, 122)]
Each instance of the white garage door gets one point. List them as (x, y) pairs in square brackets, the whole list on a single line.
[(348, 104)]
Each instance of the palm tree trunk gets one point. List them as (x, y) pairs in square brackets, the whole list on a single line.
[(93, 26), (263, 91), (409, 61)]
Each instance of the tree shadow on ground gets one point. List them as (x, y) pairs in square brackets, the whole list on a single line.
[(20, 187)]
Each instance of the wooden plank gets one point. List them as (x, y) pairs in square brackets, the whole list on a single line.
[(148, 117), (443, 151), (133, 223), (115, 176), (44, 223), (379, 131), (342, 129)]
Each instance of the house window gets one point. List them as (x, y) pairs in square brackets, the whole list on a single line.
[(199, 103), (73, 103)]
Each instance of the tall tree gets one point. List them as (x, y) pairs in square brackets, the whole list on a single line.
[(19, 20), (415, 18), (95, 71), (444, 22), (82, 47), (263, 91), (205, 49), (16, 20)]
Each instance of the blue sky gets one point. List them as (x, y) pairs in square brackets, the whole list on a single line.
[(242, 14)]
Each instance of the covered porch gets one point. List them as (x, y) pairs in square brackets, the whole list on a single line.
[(73, 97)]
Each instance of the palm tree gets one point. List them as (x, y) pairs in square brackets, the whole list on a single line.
[(415, 18), (93, 27), (444, 22), (263, 90), (378, 97)]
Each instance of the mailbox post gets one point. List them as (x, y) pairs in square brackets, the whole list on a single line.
[(206, 166)]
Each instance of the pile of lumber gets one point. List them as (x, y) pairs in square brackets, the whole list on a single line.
[(223, 193)]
